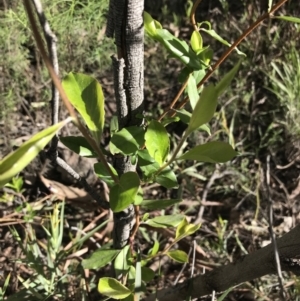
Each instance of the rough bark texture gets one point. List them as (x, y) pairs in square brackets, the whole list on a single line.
[(125, 23), (255, 265)]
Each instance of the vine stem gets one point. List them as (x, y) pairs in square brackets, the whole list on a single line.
[(62, 92)]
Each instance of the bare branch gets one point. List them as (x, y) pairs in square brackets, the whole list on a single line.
[(250, 267)]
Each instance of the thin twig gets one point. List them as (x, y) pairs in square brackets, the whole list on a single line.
[(272, 234), (242, 37), (52, 60), (89, 189), (64, 97)]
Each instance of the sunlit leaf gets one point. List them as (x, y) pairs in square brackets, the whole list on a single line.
[(127, 141), (100, 258), (139, 197), (85, 94), (121, 265), (179, 256), (151, 25), (213, 34), (16, 161), (79, 145), (112, 288), (212, 152), (192, 91), (196, 41), (185, 229), (179, 49), (102, 172), (288, 18), (155, 247), (204, 110), (167, 178), (157, 141), (124, 193), (165, 221)]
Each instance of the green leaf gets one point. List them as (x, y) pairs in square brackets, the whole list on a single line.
[(288, 18), (99, 259), (155, 248), (179, 256), (167, 178), (213, 34), (167, 120), (159, 204), (204, 110), (185, 229), (124, 193), (79, 145), (103, 173), (139, 197), (121, 262), (151, 25), (212, 152), (179, 49), (144, 158), (165, 221), (196, 41), (127, 141), (112, 288), (85, 94), (157, 141), (147, 274), (114, 125), (16, 161), (192, 91), (184, 115), (226, 80)]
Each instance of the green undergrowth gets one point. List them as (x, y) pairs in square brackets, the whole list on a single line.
[(80, 30)]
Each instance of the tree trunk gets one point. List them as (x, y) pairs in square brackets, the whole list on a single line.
[(125, 23)]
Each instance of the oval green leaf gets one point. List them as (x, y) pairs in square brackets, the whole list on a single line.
[(157, 141), (192, 91), (165, 221), (124, 193), (127, 141), (196, 41), (167, 178), (185, 229), (112, 288), (204, 109), (102, 172), (179, 256), (121, 264), (79, 145), (211, 152), (16, 161), (85, 94), (100, 258)]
